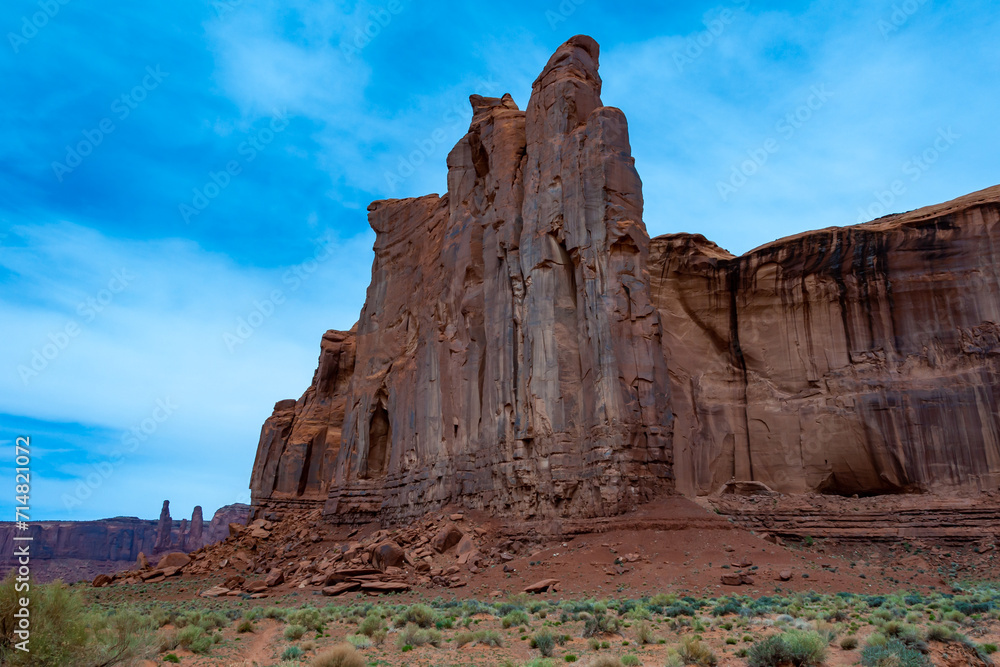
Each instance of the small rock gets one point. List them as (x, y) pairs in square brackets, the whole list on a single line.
[(275, 578), (541, 586), (214, 592), (785, 575), (729, 579)]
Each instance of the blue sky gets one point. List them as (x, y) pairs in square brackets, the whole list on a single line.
[(168, 172)]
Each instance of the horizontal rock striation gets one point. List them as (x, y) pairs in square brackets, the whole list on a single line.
[(926, 518), (857, 360)]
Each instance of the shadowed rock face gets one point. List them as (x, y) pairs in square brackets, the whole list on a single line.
[(862, 360), (525, 348)]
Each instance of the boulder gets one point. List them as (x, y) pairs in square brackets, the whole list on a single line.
[(449, 536), (541, 586), (274, 578), (341, 588), (101, 580), (174, 559), (388, 554)]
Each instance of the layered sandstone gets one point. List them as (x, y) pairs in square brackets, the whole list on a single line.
[(857, 360), (525, 349)]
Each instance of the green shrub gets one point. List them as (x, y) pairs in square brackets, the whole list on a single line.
[(768, 652), (544, 641), (194, 639), (294, 632), (171, 657), (308, 617), (644, 634), (693, 652), (419, 614), (940, 633), (630, 660), (244, 626), (372, 624), (805, 648), (989, 649), (849, 643), (796, 647), (343, 655), (413, 635), (516, 617), (892, 652), (569, 657), (600, 624), (291, 653), (63, 632), (359, 641)]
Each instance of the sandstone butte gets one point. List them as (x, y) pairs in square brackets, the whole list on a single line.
[(527, 350)]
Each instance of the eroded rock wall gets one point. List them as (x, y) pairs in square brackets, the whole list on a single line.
[(299, 442), (862, 359), (508, 356), (525, 349)]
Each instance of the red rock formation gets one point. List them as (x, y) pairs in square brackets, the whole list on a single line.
[(525, 349), (508, 356), (299, 442), (163, 536), (862, 359), (109, 543)]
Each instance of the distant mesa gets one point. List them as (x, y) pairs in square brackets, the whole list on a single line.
[(75, 550)]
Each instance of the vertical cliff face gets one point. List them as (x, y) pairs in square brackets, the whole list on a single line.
[(851, 360), (299, 442), (525, 349), (508, 356)]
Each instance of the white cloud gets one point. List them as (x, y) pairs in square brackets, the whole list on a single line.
[(162, 337)]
